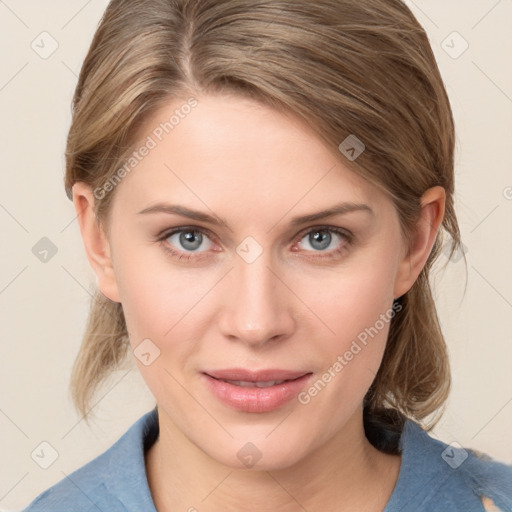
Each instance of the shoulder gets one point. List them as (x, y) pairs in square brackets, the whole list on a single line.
[(104, 482), (83, 490), (451, 474), (68, 492), (491, 480)]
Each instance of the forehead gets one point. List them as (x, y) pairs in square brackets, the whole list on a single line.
[(240, 153)]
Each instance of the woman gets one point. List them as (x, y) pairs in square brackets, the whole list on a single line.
[(262, 188)]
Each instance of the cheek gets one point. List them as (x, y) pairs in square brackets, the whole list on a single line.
[(169, 305), (357, 307), (146, 300), (158, 304), (353, 298), (155, 293), (359, 312)]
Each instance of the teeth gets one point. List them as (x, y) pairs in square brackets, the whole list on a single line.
[(247, 384)]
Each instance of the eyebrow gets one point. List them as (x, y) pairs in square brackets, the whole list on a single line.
[(339, 209)]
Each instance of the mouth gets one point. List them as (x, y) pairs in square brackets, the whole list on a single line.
[(249, 384), (255, 391), (255, 376)]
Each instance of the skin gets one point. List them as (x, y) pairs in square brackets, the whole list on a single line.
[(297, 306)]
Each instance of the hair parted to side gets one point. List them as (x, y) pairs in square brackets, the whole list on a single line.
[(344, 67)]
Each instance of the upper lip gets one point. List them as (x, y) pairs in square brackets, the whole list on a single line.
[(241, 374)]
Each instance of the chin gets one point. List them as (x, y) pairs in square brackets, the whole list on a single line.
[(260, 453)]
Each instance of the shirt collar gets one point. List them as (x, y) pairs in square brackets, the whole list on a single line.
[(419, 469), (127, 478), (422, 469)]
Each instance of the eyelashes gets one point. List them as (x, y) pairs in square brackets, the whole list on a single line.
[(346, 239)]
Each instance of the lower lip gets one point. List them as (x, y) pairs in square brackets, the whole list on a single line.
[(256, 399)]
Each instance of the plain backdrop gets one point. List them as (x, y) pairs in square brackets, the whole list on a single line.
[(44, 304)]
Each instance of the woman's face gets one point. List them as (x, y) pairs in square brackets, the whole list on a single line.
[(244, 285)]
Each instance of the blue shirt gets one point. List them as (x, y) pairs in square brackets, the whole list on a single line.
[(433, 476)]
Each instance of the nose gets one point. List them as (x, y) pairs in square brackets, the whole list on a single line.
[(259, 305)]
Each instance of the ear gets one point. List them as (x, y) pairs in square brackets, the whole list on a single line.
[(423, 238), (95, 241)]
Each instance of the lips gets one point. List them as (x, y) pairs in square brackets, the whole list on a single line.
[(241, 374), (249, 384), (255, 391)]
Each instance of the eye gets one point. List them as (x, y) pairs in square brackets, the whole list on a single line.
[(321, 238), (184, 243), (181, 241)]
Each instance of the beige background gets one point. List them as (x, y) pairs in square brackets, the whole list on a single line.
[(44, 305)]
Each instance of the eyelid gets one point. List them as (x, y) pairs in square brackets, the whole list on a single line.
[(335, 229), (166, 233)]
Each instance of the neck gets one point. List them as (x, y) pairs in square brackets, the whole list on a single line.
[(345, 473)]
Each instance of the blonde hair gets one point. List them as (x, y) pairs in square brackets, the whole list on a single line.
[(344, 67)]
